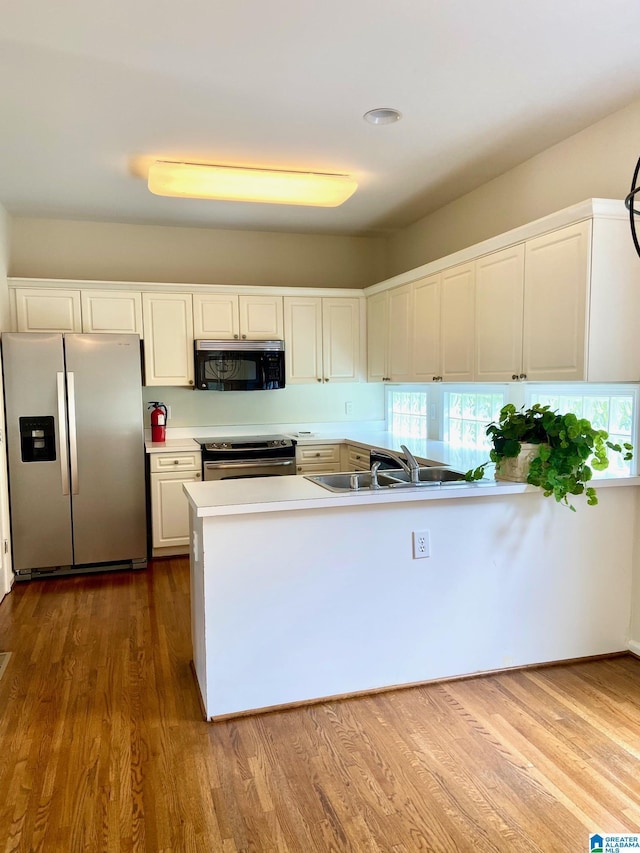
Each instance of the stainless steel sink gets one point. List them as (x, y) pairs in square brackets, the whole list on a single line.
[(432, 475), (390, 479), (351, 482)]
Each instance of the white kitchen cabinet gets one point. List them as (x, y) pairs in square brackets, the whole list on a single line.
[(232, 316), (322, 339), (389, 324), (355, 458), (48, 310), (556, 285), (377, 334), (168, 338), (425, 329), (399, 365), (499, 286), (169, 505), (318, 458), (457, 323), (115, 311)]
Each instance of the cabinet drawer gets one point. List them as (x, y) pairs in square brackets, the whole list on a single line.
[(358, 459), (182, 461), (318, 453)]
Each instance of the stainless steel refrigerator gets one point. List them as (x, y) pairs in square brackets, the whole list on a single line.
[(75, 444)]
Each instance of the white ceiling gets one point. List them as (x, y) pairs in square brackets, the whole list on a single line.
[(88, 90)]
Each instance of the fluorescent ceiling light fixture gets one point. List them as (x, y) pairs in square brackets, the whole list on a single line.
[(230, 183)]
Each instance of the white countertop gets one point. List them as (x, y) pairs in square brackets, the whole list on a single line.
[(281, 494), (171, 445)]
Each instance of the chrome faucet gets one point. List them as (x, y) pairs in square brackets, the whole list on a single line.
[(412, 467)]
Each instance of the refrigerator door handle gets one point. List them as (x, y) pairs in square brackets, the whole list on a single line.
[(62, 429), (73, 442)]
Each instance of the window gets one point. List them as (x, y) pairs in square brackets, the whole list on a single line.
[(607, 407), (467, 415), (407, 413)]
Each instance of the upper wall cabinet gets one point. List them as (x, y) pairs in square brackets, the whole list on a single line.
[(57, 310), (168, 338), (232, 316), (112, 311), (48, 310), (389, 325), (556, 290), (425, 329), (499, 285), (559, 304), (457, 323), (322, 339)]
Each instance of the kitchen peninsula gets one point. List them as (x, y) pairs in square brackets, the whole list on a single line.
[(299, 594)]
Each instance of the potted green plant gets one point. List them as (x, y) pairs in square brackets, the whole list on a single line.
[(560, 451)]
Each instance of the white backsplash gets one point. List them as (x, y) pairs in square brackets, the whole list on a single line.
[(295, 404)]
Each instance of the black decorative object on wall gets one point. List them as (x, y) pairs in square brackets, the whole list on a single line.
[(629, 201)]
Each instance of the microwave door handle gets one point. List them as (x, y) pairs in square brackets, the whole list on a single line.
[(62, 434), (73, 441), (262, 463)]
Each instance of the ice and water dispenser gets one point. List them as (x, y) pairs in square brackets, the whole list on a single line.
[(37, 439)]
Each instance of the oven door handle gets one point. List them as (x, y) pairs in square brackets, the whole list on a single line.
[(255, 463)]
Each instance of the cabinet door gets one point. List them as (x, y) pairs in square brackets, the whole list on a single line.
[(399, 337), (499, 308), (106, 311), (216, 316), (556, 281), (425, 334), (303, 339), (377, 334), (457, 323), (48, 310), (170, 508), (341, 339), (168, 338), (261, 317)]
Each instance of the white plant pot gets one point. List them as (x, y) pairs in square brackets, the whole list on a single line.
[(515, 469)]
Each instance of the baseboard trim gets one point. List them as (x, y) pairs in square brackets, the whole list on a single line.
[(634, 648), (360, 694)]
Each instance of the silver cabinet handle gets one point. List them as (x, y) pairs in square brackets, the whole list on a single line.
[(73, 440), (62, 435)]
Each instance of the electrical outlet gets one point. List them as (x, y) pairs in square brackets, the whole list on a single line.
[(421, 544), (348, 408)]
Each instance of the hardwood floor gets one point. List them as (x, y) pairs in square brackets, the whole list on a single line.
[(102, 746)]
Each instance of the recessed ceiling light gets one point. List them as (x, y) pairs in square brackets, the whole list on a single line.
[(231, 183), (382, 115)]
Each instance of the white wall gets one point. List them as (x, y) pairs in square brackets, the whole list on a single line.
[(295, 404), (5, 559), (49, 248), (596, 163), (4, 267), (512, 580)]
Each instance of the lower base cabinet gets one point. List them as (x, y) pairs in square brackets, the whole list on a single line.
[(318, 459), (355, 458), (169, 505)]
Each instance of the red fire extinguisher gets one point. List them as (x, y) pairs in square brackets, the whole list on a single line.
[(158, 421)]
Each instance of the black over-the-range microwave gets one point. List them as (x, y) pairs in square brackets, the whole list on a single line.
[(239, 365)]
